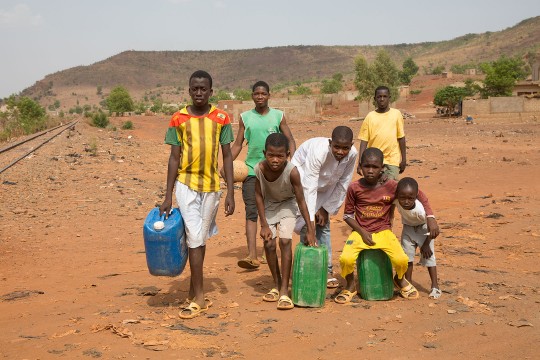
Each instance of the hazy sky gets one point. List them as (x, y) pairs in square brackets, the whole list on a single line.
[(39, 37)]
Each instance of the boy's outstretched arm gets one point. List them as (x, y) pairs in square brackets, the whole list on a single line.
[(228, 167), (239, 141), (172, 174), (299, 193), (403, 149), (363, 147), (432, 225), (266, 233), (284, 128)]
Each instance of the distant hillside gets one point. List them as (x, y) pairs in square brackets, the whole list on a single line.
[(140, 70)]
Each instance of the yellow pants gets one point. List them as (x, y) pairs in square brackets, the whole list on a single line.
[(384, 240)]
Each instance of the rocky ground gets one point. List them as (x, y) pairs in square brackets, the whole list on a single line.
[(74, 281)]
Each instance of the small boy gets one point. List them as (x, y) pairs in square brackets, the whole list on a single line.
[(278, 193), (415, 232), (368, 211), (326, 168), (194, 134), (383, 129), (254, 126)]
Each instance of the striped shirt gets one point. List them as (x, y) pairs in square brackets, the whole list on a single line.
[(199, 138)]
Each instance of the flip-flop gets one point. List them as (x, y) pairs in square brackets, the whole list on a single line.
[(408, 291), (346, 295), (249, 264), (207, 302), (332, 283), (285, 303), (272, 295), (191, 311), (435, 294)]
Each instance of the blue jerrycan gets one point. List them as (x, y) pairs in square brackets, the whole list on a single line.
[(309, 275), (165, 243)]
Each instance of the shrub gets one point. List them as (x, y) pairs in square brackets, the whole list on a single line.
[(128, 125), (100, 119)]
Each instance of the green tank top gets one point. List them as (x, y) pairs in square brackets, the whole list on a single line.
[(257, 129)]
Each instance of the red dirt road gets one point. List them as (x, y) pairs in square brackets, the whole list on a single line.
[(74, 281)]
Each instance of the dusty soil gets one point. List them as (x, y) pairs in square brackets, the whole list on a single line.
[(74, 281)]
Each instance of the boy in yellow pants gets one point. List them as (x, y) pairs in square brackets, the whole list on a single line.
[(368, 211)]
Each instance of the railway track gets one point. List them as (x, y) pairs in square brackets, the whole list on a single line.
[(13, 153)]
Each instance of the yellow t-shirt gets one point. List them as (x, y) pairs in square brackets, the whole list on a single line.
[(382, 131)]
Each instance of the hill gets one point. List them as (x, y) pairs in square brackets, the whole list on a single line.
[(145, 70)]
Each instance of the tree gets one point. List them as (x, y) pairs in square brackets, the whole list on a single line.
[(409, 70), (449, 97), (381, 72), (501, 76), (363, 79), (242, 94), (119, 100), (333, 85)]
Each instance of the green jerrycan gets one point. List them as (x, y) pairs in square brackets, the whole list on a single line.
[(374, 275), (309, 275)]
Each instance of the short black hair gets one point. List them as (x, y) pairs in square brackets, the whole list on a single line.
[(277, 140), (382, 87), (342, 133), (201, 74), (405, 183), (372, 153), (264, 84)]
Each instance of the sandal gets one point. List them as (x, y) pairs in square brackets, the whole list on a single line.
[(249, 264), (272, 295), (332, 283), (191, 311), (285, 303), (435, 293), (346, 295), (207, 302), (407, 292)]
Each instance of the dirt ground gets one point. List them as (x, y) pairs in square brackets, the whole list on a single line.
[(74, 281)]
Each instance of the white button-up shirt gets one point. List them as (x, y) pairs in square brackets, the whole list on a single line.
[(324, 179)]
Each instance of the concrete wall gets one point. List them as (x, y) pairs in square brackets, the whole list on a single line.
[(294, 109), (501, 105)]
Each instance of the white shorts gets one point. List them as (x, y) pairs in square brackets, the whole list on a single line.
[(286, 227), (413, 237), (199, 210)]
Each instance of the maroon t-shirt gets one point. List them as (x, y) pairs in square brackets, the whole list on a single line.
[(371, 206)]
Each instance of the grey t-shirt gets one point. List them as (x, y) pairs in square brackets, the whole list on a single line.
[(278, 195)]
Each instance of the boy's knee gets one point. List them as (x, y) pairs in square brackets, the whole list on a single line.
[(347, 259), (284, 242), (270, 245), (401, 260)]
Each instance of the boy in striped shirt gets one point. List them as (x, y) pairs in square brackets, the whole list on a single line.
[(195, 134)]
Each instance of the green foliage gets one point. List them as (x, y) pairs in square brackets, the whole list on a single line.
[(119, 100), (169, 109), (221, 95), (100, 119), (332, 86), (242, 94), (61, 114), (157, 105), (502, 75), (461, 68), (23, 116), (56, 104), (438, 70), (416, 92), (449, 97), (301, 90), (127, 125), (409, 70), (382, 72), (99, 90)]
